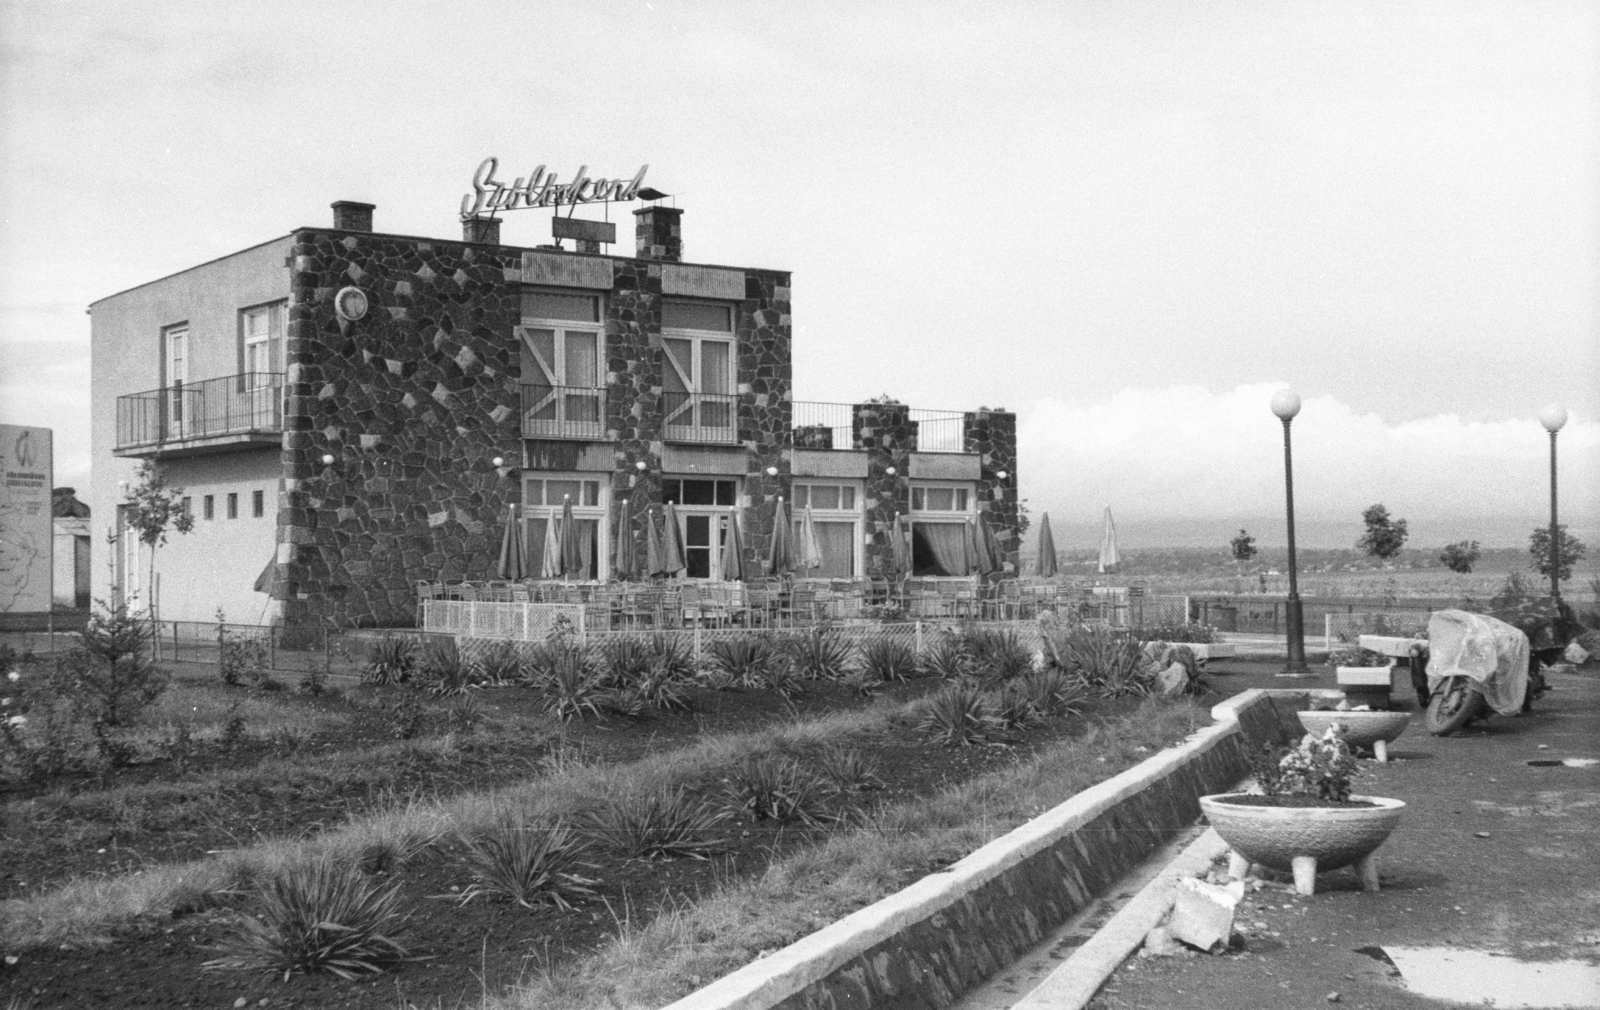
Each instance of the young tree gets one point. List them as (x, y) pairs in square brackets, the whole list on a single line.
[(1244, 548), (153, 508), (114, 676), (1569, 550), (1384, 536), (1460, 556)]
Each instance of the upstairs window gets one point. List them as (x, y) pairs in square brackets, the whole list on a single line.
[(697, 374), (561, 346), (261, 329)]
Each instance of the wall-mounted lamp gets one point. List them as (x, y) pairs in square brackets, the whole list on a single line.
[(327, 459), (891, 471), (498, 461), (772, 471), (1002, 475), (641, 465)]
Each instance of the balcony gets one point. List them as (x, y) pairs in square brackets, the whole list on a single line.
[(189, 419), (710, 418), (833, 426), (563, 411)]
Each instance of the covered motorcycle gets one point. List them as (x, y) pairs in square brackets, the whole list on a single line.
[(1474, 661)]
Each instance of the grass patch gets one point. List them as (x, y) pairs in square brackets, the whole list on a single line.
[(689, 945)]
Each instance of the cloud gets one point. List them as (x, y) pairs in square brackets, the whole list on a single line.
[(1183, 452)]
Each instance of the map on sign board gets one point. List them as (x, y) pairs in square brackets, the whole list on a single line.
[(25, 522)]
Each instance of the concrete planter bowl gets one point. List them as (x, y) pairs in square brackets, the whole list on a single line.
[(1304, 840), (1372, 731)]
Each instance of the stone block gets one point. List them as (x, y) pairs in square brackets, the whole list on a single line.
[(1202, 913)]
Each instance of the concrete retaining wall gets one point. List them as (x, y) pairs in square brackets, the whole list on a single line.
[(926, 945)]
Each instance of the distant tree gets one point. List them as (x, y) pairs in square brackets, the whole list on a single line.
[(1569, 550), (1384, 536), (1244, 548), (1460, 556)]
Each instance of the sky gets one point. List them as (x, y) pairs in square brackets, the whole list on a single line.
[(1128, 222)]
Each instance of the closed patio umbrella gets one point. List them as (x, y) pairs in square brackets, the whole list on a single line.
[(781, 558), (978, 560), (550, 564), (990, 543), (1109, 558), (655, 558), (571, 549), (900, 543), (1047, 548), (511, 564), (625, 566), (809, 555), (672, 543), (733, 550)]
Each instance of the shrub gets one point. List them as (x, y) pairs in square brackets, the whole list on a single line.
[(663, 687), (626, 702), (402, 716), (241, 659), (781, 677), (1321, 767), (499, 664), (659, 824), (820, 654), (1051, 692), (957, 716), (771, 788), (114, 679), (527, 861), (947, 659), (744, 659), (864, 682), (626, 661), (888, 659), (1108, 662), (319, 917), (1177, 634), (848, 770), (43, 732), (570, 684), (463, 714), (672, 653), (998, 656), (389, 660), (440, 671)]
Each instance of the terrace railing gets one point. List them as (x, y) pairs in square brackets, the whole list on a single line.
[(939, 430), (700, 417), (248, 403), (832, 426), (563, 411)]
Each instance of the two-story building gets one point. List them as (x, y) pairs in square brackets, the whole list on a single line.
[(350, 412)]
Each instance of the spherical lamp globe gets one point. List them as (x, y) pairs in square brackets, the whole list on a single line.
[(1286, 404), (1553, 417)]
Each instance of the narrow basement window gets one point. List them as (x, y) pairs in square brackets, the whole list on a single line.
[(209, 506), (258, 503), (233, 504)]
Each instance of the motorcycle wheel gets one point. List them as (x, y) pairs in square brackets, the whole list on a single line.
[(1451, 706)]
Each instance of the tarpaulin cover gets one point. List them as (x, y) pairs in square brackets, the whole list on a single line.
[(1485, 649)]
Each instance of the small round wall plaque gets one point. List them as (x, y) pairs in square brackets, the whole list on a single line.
[(350, 303)]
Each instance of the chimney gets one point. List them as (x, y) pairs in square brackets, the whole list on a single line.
[(659, 233), (481, 229), (349, 215)]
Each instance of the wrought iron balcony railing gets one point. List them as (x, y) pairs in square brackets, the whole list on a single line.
[(250, 403), (700, 417), (833, 426), (563, 411)]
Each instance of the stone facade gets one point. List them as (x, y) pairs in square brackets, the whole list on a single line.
[(887, 433), (992, 436)]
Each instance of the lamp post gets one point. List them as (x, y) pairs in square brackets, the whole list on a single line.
[(1286, 404), (1554, 417)]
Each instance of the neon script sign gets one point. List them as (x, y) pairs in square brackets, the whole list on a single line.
[(490, 195)]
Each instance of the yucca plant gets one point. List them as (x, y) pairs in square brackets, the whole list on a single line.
[(820, 654), (1107, 662), (958, 715), (998, 657), (571, 687), (1013, 707), (743, 659), (1052, 692), (626, 702), (441, 671), (947, 659), (319, 917), (864, 682), (673, 653), (659, 824), (781, 677), (390, 660), (889, 659), (499, 664), (848, 770), (778, 789), (626, 661), (530, 862), (662, 687)]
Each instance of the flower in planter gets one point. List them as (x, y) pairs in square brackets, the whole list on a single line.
[(1321, 767)]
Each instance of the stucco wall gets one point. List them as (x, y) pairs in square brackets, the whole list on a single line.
[(125, 357)]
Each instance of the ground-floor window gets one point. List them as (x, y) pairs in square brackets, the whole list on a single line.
[(543, 499), (703, 508), (939, 517), (836, 515)]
